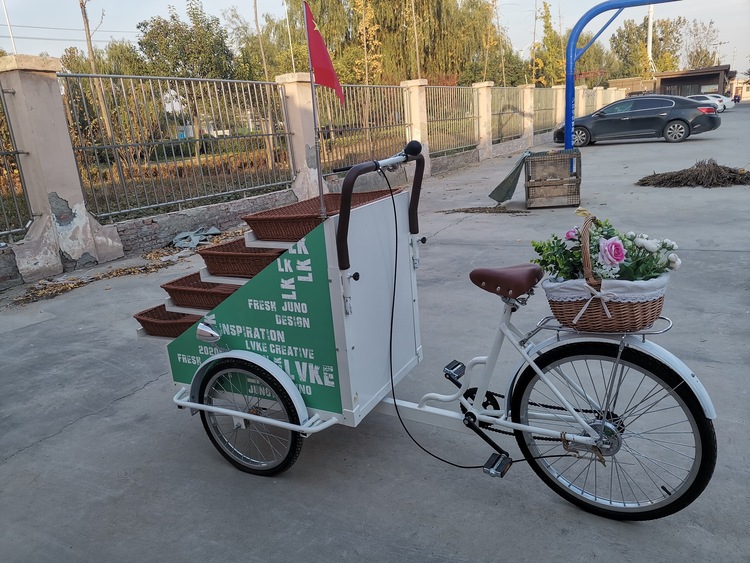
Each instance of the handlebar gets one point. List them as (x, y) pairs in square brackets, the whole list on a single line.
[(410, 153)]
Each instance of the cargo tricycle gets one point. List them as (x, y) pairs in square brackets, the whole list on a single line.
[(323, 334)]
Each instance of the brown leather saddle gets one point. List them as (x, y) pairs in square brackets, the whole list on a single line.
[(513, 281)]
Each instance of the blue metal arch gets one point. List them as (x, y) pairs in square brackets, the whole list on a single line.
[(572, 53)]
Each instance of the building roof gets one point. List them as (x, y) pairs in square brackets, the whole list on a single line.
[(695, 72)]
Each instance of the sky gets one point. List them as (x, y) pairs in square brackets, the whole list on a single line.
[(52, 25)]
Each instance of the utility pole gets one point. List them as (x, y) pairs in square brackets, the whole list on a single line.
[(416, 42), (716, 51), (10, 29), (289, 34), (650, 39), (260, 40), (103, 115)]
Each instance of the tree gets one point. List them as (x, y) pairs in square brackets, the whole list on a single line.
[(549, 53), (701, 44), (628, 43), (196, 49), (597, 64)]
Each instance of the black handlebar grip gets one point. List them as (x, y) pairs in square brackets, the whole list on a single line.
[(411, 153)]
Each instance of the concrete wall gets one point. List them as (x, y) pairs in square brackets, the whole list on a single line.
[(148, 233)]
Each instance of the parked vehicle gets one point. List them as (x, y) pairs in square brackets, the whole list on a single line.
[(728, 102), (706, 98), (674, 118)]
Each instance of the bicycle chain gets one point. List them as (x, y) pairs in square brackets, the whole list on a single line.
[(551, 407)]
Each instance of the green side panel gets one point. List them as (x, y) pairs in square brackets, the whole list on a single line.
[(284, 314)]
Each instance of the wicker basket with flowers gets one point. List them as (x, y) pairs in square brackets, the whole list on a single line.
[(605, 281)]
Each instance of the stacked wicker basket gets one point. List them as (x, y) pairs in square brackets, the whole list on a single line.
[(236, 261)]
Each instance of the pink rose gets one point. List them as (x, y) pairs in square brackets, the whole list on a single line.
[(572, 234), (611, 251)]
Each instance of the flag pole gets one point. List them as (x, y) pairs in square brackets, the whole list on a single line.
[(323, 211)]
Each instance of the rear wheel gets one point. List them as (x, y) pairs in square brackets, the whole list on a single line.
[(253, 447), (658, 447), (581, 137), (676, 131)]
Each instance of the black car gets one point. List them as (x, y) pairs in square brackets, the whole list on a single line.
[(673, 117)]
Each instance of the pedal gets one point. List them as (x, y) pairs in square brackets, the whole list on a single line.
[(498, 465), (454, 371)]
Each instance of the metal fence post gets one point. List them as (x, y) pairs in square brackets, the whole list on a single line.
[(63, 234)]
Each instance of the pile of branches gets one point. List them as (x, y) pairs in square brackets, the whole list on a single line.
[(706, 173)]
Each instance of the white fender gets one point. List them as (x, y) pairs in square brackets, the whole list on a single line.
[(646, 347), (261, 361)]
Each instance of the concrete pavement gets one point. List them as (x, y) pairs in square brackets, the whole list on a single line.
[(96, 463)]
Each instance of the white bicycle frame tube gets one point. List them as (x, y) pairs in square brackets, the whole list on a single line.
[(507, 329), (423, 413), (313, 424), (308, 425)]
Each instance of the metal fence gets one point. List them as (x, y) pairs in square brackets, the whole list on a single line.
[(146, 144), (452, 120), (507, 114), (544, 110), (15, 216), (371, 126)]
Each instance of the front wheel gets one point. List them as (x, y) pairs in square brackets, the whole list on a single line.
[(250, 446), (581, 137), (676, 131), (658, 447)]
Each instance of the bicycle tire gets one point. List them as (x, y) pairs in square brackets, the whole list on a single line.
[(251, 447), (662, 449)]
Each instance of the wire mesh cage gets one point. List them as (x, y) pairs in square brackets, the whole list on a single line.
[(553, 179)]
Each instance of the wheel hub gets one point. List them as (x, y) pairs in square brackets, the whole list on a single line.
[(610, 434)]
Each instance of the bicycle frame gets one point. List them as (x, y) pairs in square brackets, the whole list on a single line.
[(522, 343)]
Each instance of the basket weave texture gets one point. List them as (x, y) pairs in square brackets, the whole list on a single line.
[(594, 305), (234, 258), (292, 222), (157, 321), (191, 291)]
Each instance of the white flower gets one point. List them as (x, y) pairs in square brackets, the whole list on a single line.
[(606, 272), (639, 242), (673, 257), (642, 235), (650, 245), (676, 264), (630, 235)]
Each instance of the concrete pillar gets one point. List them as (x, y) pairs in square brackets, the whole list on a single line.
[(599, 97), (527, 95), (483, 97), (580, 103), (63, 235), (415, 103), (559, 91), (299, 109)]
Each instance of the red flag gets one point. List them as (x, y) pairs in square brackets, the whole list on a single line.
[(320, 60)]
